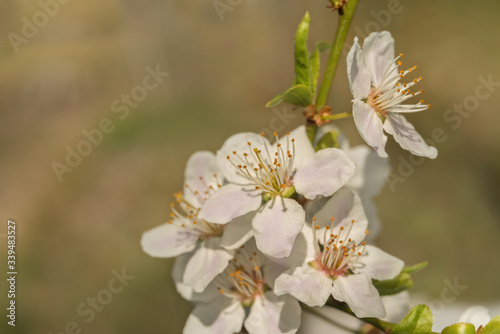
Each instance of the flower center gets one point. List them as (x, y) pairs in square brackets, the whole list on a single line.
[(336, 253), (184, 213), (269, 170), (390, 94), (242, 278)]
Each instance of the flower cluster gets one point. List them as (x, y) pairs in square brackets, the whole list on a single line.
[(262, 226)]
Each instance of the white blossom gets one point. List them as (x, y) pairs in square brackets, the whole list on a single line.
[(210, 246), (241, 296), (369, 175), (262, 178), (342, 266), (379, 96), (477, 315)]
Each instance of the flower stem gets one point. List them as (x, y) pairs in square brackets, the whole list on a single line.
[(384, 326), (324, 317), (380, 324), (335, 117), (335, 52)]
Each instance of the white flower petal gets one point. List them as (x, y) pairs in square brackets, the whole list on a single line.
[(276, 226), (208, 261), (303, 147), (222, 316), (323, 173), (357, 72), (476, 315), (237, 232), (360, 294), (377, 264), (369, 126), (237, 143), (378, 51), (209, 294), (371, 170), (273, 315), (200, 164), (344, 206), (178, 272), (168, 240), (407, 137), (396, 306), (371, 213), (229, 202), (310, 286), (302, 252)]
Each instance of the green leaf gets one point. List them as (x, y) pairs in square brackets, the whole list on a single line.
[(493, 327), (298, 95), (330, 139), (392, 286), (417, 321), (302, 62), (399, 283), (306, 71), (460, 328), (415, 268), (314, 71)]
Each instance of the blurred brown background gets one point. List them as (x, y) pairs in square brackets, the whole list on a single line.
[(63, 80)]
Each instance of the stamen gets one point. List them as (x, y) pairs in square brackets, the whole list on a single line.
[(339, 253), (271, 175)]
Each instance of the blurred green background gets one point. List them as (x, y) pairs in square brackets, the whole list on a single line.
[(72, 234)]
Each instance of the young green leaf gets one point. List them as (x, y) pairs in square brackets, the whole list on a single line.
[(314, 71), (493, 327), (415, 268), (330, 139), (298, 95), (392, 286), (302, 62), (417, 321), (460, 328)]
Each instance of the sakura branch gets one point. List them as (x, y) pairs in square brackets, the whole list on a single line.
[(265, 229)]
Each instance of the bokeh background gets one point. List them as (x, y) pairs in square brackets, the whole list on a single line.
[(72, 234)]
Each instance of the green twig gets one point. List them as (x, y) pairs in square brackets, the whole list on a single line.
[(336, 51), (324, 317), (335, 117), (380, 324)]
